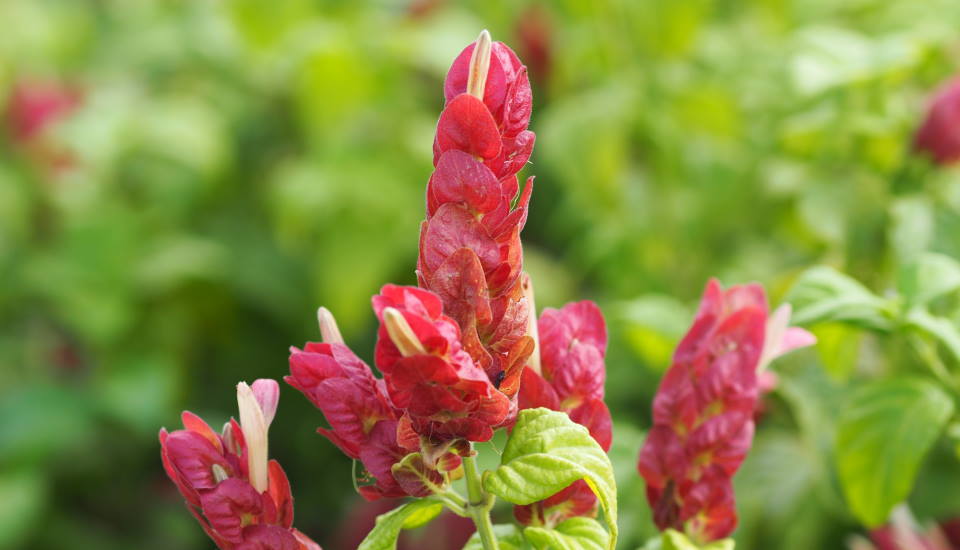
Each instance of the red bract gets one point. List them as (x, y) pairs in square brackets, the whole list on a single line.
[(939, 135), (703, 414), (241, 500), (573, 342), (470, 251), (443, 395)]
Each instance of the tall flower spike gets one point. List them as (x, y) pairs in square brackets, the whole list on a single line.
[(470, 250)]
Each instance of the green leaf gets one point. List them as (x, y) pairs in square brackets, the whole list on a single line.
[(547, 452), (653, 325), (930, 276), (884, 433), (573, 534), (422, 516), (824, 294), (413, 514), (508, 536), (941, 328), (23, 497), (838, 346), (911, 227)]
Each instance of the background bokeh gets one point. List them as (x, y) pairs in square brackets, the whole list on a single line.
[(183, 182)]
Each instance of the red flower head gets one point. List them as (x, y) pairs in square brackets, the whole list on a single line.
[(703, 414), (34, 106), (904, 533), (241, 499), (573, 342), (444, 396), (470, 252), (939, 135)]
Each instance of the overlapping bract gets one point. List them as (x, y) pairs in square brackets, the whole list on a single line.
[(213, 473), (410, 428), (470, 251), (573, 342), (939, 135), (704, 407), (443, 395)]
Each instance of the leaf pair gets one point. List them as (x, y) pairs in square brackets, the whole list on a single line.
[(547, 452)]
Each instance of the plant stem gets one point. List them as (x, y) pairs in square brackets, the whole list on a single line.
[(479, 504), (452, 500)]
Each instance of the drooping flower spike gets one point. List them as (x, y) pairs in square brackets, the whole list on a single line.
[(364, 422), (569, 377), (703, 410), (241, 499), (470, 251)]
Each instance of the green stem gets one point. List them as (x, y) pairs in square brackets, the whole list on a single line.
[(454, 502), (479, 504)]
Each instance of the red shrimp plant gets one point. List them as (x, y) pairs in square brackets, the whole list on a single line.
[(458, 359), (462, 356), (452, 353)]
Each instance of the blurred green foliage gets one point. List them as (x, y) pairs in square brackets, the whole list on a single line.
[(233, 164)]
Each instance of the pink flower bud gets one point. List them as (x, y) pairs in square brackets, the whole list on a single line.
[(939, 135)]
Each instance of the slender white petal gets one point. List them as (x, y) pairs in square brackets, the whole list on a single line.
[(254, 427)]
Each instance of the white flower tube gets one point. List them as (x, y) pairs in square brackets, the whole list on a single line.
[(257, 407)]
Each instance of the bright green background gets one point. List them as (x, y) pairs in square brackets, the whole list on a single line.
[(238, 163)]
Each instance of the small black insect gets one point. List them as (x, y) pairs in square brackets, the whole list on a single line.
[(499, 378)]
